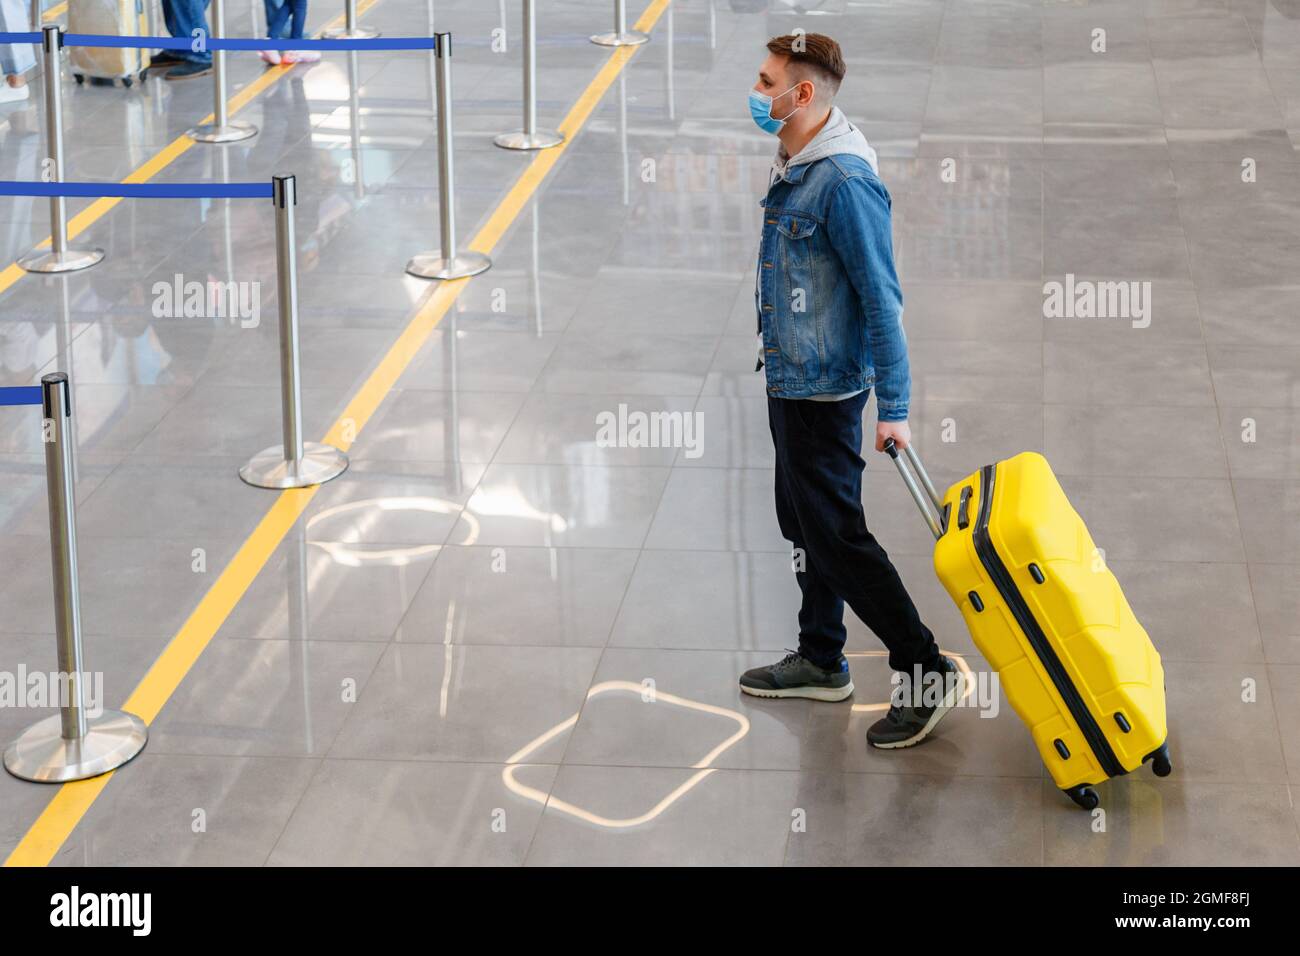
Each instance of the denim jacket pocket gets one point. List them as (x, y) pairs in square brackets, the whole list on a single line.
[(796, 228), (801, 338)]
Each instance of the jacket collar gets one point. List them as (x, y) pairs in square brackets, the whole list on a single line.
[(794, 174)]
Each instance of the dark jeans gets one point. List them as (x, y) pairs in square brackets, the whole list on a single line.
[(278, 17), (183, 17), (819, 507)]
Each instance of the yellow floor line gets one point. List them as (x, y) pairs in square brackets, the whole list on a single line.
[(39, 845), (169, 153), (56, 11)]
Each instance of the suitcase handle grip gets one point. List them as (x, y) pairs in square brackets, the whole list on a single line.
[(923, 499)]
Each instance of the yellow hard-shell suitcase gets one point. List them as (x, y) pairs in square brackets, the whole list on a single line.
[(1050, 617)]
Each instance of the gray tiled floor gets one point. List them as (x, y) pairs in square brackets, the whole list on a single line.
[(498, 640)]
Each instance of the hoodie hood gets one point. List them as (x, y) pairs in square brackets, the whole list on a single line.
[(837, 137)]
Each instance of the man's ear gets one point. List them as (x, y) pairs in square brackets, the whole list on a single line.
[(807, 93)]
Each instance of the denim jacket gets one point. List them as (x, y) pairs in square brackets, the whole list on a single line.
[(829, 304)]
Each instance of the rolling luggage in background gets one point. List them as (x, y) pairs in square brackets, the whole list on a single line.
[(1049, 616), (109, 18)]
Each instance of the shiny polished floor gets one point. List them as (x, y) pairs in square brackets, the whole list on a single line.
[(494, 640)]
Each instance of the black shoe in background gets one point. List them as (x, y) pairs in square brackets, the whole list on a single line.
[(165, 60), (188, 71)]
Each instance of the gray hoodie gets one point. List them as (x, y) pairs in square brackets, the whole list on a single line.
[(838, 136)]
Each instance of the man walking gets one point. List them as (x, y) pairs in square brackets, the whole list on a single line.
[(829, 322)]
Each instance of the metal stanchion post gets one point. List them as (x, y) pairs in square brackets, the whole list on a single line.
[(222, 129), (350, 30), (74, 744), (38, 13), (433, 66), (451, 381), (447, 262), (295, 463), (530, 137), (537, 268), (670, 69), (64, 334), (621, 36), (354, 125), (60, 258), (622, 137)]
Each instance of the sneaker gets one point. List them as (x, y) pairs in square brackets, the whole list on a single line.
[(272, 57), (796, 676), (13, 94), (165, 59), (188, 71), (302, 56), (905, 725)]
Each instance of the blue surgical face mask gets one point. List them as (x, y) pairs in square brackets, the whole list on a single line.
[(760, 107)]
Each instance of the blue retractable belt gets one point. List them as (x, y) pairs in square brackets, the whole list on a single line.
[(227, 43), (21, 395), (140, 190)]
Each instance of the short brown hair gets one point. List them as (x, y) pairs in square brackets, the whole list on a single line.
[(816, 52)]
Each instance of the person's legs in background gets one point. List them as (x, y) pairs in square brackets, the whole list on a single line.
[(277, 27), (299, 11), (15, 58), (299, 15), (278, 13), (182, 18)]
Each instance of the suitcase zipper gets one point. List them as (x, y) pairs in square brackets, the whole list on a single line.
[(1037, 639)]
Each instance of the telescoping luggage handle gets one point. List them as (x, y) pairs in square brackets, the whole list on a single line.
[(923, 499)]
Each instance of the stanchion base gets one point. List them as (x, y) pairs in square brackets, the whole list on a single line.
[(229, 133), (69, 260), (318, 464), (538, 139), (342, 33), (626, 38), (431, 265), (43, 755)]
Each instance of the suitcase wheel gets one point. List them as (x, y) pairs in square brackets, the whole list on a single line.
[(79, 78), (127, 81), (1084, 796), (1160, 763)]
